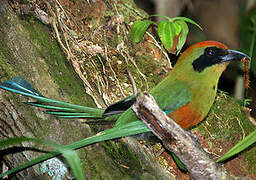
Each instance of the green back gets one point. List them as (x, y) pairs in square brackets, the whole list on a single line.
[(170, 94)]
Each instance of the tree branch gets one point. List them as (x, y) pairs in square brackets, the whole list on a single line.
[(177, 140)]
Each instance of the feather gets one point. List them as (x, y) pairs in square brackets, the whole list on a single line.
[(21, 86), (120, 106)]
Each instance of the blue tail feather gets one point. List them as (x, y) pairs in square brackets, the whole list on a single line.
[(21, 86)]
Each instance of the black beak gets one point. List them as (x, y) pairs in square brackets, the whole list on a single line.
[(234, 55)]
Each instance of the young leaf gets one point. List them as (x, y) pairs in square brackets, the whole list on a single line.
[(187, 20), (169, 34), (177, 28), (239, 147), (138, 30)]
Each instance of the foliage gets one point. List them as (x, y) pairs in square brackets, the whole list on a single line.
[(126, 130), (70, 155), (172, 31)]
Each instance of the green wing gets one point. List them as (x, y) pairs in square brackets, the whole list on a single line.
[(171, 95)]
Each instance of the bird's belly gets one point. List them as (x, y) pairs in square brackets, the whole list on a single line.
[(186, 116)]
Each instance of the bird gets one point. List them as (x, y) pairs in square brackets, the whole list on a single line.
[(185, 95)]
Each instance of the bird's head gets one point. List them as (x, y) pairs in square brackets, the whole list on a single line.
[(208, 58)]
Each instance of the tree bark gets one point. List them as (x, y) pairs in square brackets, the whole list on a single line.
[(83, 56), (27, 49)]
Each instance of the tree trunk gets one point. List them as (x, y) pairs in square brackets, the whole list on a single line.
[(81, 54), (27, 49)]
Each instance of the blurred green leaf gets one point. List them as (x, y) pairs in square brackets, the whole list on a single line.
[(74, 163), (116, 132), (239, 147), (177, 28), (138, 30), (70, 155), (187, 20), (179, 163)]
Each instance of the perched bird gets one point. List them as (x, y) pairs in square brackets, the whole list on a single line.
[(186, 94)]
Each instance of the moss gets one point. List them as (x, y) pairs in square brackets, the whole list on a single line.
[(59, 68), (6, 68), (230, 117), (227, 124), (122, 155), (64, 76), (149, 67)]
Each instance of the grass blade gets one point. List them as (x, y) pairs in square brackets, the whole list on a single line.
[(133, 128), (70, 155), (239, 147)]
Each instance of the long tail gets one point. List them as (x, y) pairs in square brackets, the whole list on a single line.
[(54, 107)]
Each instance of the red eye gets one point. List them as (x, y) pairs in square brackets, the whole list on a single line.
[(210, 52)]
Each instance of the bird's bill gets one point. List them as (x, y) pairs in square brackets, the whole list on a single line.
[(234, 55)]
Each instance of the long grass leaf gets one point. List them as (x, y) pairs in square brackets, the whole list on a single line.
[(239, 147), (133, 128), (70, 155)]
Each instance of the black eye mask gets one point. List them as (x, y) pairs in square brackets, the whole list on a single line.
[(211, 56)]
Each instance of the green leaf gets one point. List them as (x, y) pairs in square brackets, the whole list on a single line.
[(239, 147), (182, 36), (74, 163), (138, 30), (178, 162), (70, 155), (17, 140), (168, 33), (177, 28), (129, 129), (187, 20)]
